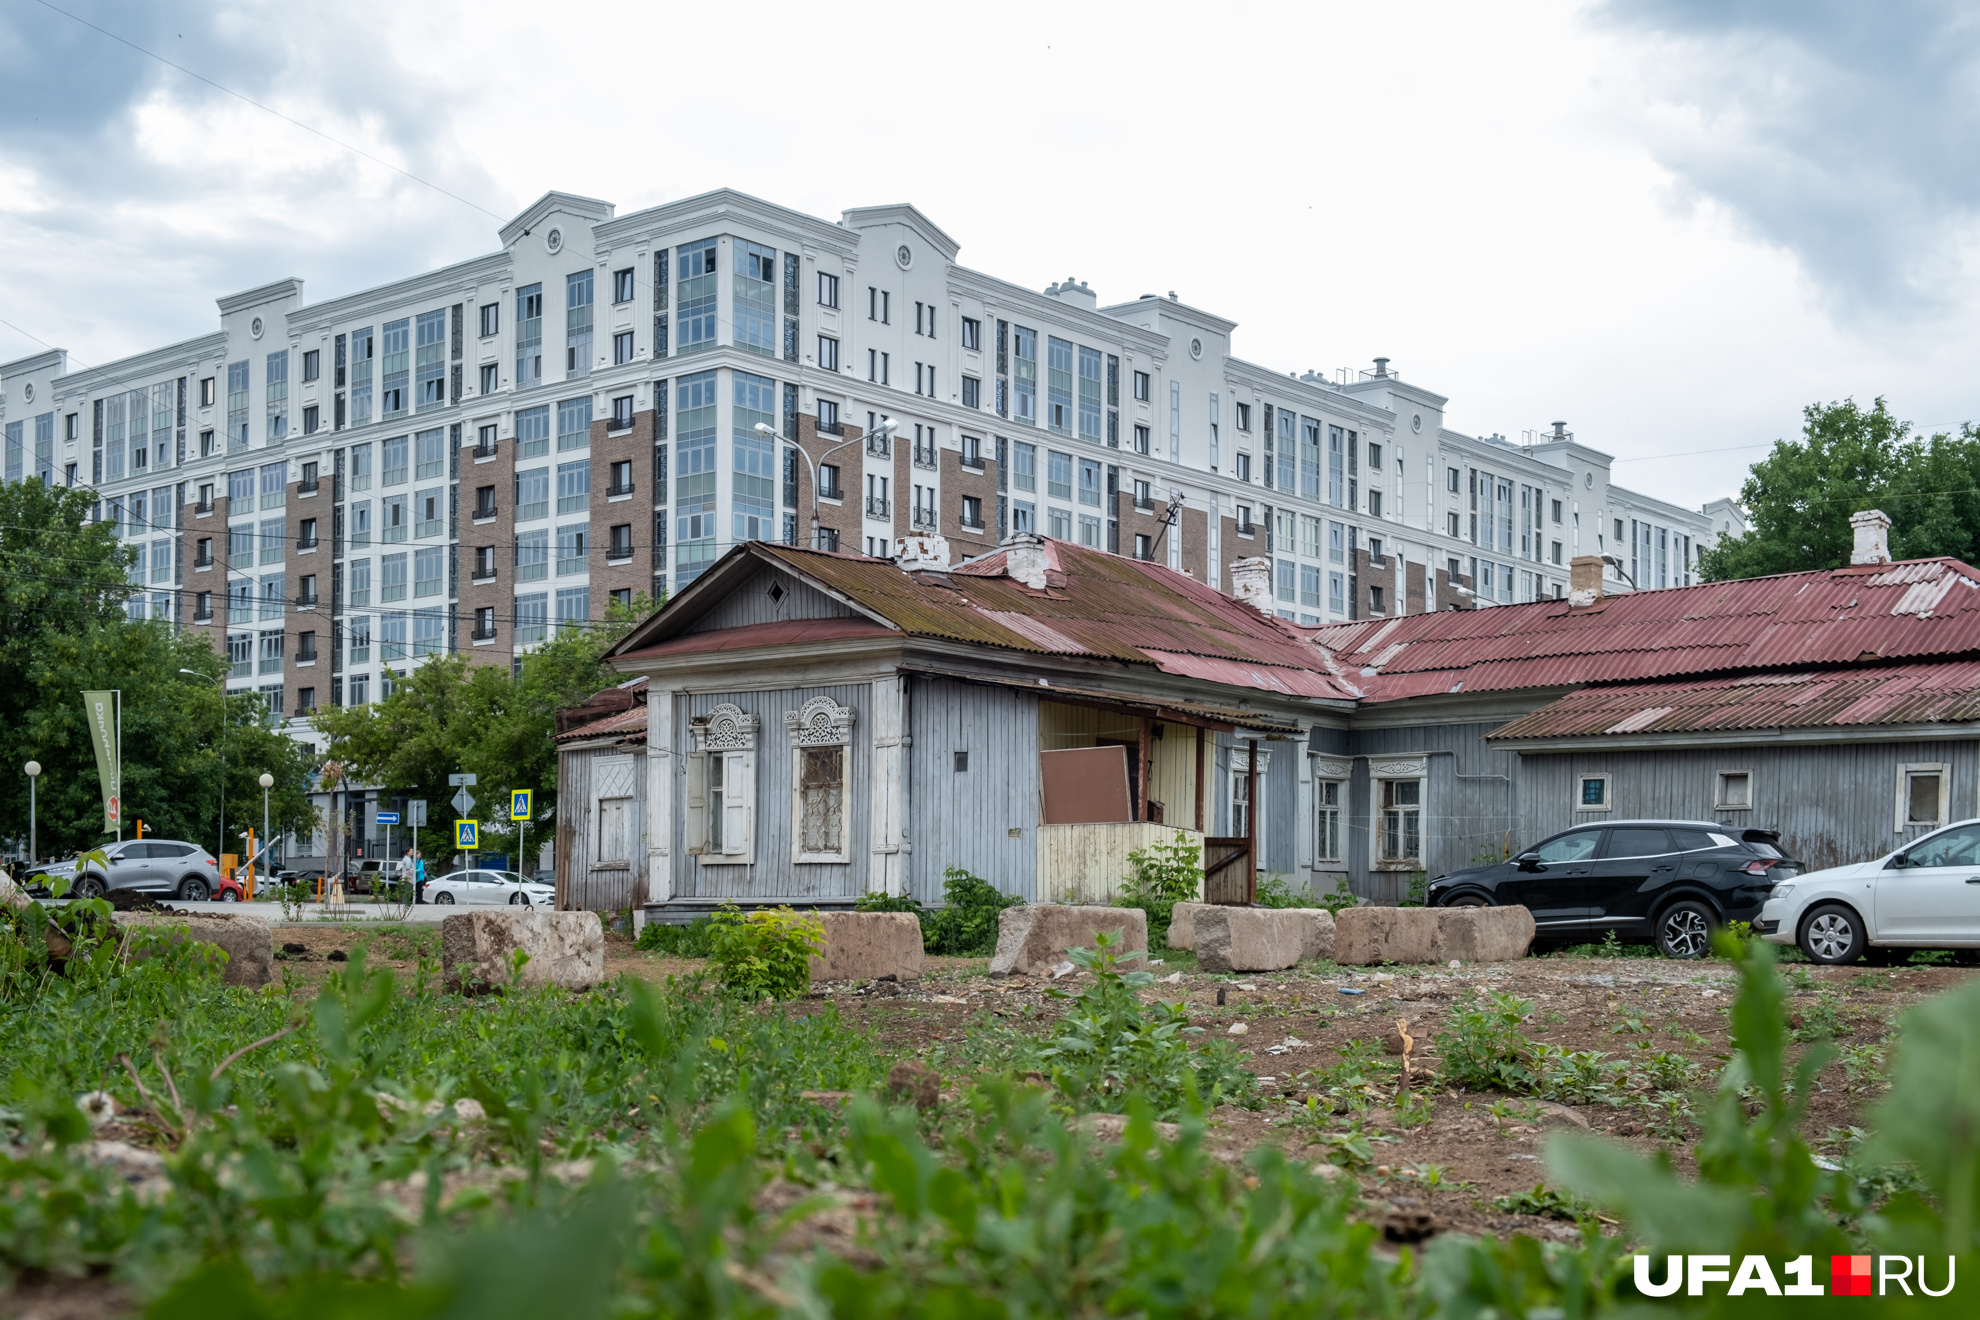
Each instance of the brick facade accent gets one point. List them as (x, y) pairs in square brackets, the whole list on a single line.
[(298, 563), (1234, 545), (633, 574), (498, 534), (212, 527), (1195, 531), (842, 517), (1141, 522), (979, 482)]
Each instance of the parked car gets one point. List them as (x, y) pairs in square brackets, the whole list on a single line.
[(482, 886), (1671, 881), (1925, 895), (148, 866)]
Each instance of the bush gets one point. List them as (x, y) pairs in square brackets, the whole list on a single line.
[(1164, 875), (873, 900), (1275, 892), (1340, 899), (965, 926), (689, 941), (766, 952)]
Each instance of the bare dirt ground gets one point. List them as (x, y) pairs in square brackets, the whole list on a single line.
[(1450, 1162)]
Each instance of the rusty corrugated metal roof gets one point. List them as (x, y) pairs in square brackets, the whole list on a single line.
[(624, 724), (1832, 698), (1843, 616)]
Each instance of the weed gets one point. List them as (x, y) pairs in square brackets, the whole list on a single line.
[(1819, 1021), (1274, 891), (1340, 898), (691, 940), (1575, 1077), (765, 953), (1611, 945), (1546, 1203), (1666, 1070), (1863, 1066), (965, 926), (1632, 1024), (1483, 1047), (1414, 1110), (1418, 894), (1162, 875)]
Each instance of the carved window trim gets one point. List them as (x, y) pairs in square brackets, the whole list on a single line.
[(819, 724), (724, 737)]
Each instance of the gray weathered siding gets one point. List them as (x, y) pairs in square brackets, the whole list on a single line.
[(1470, 801), (581, 884), (773, 874), (966, 819), (1833, 804), (1278, 789), (751, 604)]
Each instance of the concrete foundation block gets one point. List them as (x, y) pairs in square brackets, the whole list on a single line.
[(1482, 934), (1368, 935), (865, 946), (1247, 939), (1033, 939), (1182, 924), (1320, 932), (249, 944), (566, 949)]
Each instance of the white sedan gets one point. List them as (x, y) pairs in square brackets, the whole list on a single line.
[(1926, 895), (482, 887)]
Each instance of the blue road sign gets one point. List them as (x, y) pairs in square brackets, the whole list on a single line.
[(387, 818), (466, 835), (519, 803)]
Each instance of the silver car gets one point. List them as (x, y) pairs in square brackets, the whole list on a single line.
[(489, 886), (167, 867)]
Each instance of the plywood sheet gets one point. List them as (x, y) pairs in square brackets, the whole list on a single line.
[(1085, 786)]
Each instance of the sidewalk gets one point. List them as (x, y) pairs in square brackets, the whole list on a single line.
[(428, 914)]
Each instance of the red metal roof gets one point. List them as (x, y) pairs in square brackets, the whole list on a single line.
[(624, 724), (1918, 609), (1093, 604), (1854, 696)]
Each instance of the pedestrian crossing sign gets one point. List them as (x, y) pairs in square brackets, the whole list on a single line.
[(466, 835), (519, 803)]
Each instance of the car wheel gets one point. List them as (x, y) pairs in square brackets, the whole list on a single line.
[(90, 886), (192, 890), (444, 898), (230, 896), (1468, 900), (1684, 929), (1832, 934)]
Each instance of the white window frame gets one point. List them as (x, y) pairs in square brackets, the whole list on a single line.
[(1240, 764), (729, 733), (820, 722), (1943, 770), (1327, 772), (1719, 800), (1575, 804), (1397, 771)]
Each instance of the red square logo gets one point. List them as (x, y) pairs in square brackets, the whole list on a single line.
[(1849, 1276)]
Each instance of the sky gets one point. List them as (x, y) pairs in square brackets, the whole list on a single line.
[(1671, 224)]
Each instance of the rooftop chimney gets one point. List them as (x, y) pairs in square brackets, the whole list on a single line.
[(1251, 583), (1584, 580), (1024, 560), (1381, 368), (1560, 431), (1873, 537), (922, 554)]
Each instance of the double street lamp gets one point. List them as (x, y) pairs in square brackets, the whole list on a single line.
[(883, 432)]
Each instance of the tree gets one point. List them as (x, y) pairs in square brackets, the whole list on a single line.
[(63, 630), (1800, 497), (449, 717)]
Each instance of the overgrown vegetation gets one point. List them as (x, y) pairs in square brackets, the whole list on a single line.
[(965, 926), (690, 940), (1162, 875), (765, 953)]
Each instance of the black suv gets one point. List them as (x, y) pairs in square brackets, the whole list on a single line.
[(1672, 881)]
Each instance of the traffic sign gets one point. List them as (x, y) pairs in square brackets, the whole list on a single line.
[(457, 781), (387, 817), (467, 835), (464, 802), (417, 810), (519, 803)]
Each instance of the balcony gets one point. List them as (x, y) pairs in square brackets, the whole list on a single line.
[(482, 575), (969, 526), (481, 451), (201, 509), (924, 456), (614, 425), (831, 491), (306, 655), (484, 511), (481, 634), (832, 428), (305, 543), (972, 462), (309, 486), (924, 518), (615, 490), (307, 602), (877, 506), (203, 561), (879, 446), (618, 554), (203, 615)]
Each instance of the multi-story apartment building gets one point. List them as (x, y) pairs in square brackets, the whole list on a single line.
[(463, 461)]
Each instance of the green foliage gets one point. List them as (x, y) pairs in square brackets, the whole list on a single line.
[(1419, 890), (1275, 892), (691, 940), (1340, 898), (765, 953), (965, 926), (1547, 1203), (876, 900), (450, 716), (1799, 498), (1162, 875), (1110, 1046), (1483, 1046)]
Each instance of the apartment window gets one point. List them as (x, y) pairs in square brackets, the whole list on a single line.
[(1144, 547), (622, 413), (1142, 388), (1058, 523), (395, 367), (879, 305), (205, 394), (1556, 555), (1024, 466), (430, 361), (427, 565), (972, 392), (828, 290), (1555, 510), (972, 452), (491, 377), (828, 482), (1375, 602), (532, 494), (306, 534), (529, 336), (755, 297), (1337, 593), (828, 353), (1374, 503), (622, 285), (394, 455), (1058, 474), (573, 486), (1243, 416), (620, 546), (972, 334), (429, 512), (491, 319), (573, 424), (577, 324), (1451, 524), (1327, 832), (277, 398), (1141, 440), (1243, 467), (622, 348), (1058, 385), (1285, 579), (312, 364), (621, 474), (429, 453), (1024, 516), (1402, 820), (1089, 482), (573, 548), (1089, 394), (1024, 375), (972, 513)]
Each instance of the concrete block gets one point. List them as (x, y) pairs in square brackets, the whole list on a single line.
[(249, 944), (1320, 932), (865, 946), (1368, 935), (1482, 934), (566, 949), (1182, 924), (1033, 939), (1247, 939)]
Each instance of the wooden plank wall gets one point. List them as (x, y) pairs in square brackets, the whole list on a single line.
[(1086, 863), (581, 884), (983, 819), (751, 603)]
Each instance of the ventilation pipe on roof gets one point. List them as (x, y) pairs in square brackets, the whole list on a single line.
[(1584, 580), (1024, 560), (1251, 583), (1873, 537), (1381, 368)]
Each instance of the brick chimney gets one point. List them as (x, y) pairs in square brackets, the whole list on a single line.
[(1584, 580), (1873, 537), (1251, 582), (922, 554), (1024, 560)]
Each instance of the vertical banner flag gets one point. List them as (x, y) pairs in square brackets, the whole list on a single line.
[(101, 710)]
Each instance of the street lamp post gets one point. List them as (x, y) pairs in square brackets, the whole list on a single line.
[(883, 431), (221, 744), (33, 769), (267, 782)]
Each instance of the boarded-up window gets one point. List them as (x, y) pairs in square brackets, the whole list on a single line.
[(614, 830), (821, 800)]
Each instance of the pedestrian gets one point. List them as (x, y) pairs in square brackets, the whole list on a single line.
[(419, 873), (405, 874)]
